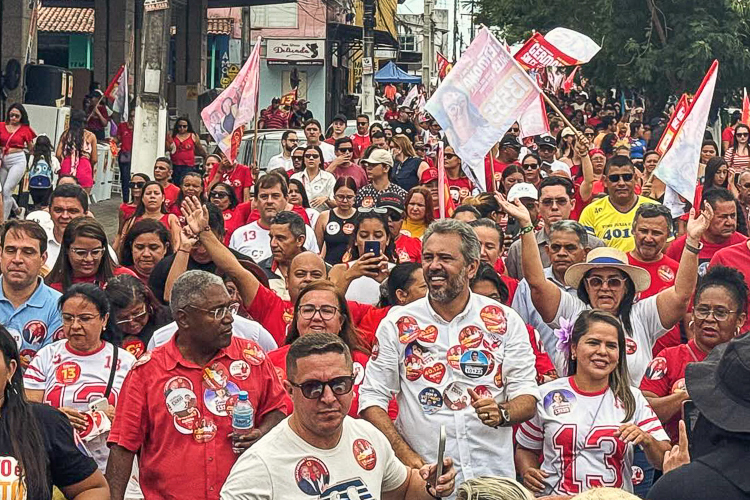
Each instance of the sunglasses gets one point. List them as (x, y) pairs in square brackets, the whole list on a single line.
[(617, 177), (314, 389), (136, 185), (312, 157), (362, 124), (218, 194), (394, 216), (612, 283), (182, 126), (590, 134), (377, 210), (296, 158), (560, 202), (741, 134), (515, 130), (14, 115), (530, 166), (449, 156), (345, 150)]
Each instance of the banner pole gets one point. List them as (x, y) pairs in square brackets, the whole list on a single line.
[(559, 113)]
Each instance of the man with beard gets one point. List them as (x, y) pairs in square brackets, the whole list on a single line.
[(504, 373), (289, 141), (651, 229)]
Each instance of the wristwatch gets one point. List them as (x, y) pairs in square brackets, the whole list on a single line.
[(692, 249), (505, 414)]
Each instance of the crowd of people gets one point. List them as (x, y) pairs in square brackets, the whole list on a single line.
[(571, 338)]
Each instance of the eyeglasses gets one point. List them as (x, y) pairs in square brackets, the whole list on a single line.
[(741, 134), (719, 313), (312, 157), (136, 185), (342, 197), (82, 253), (133, 318), (69, 319), (345, 150), (530, 166), (590, 134), (612, 283), (548, 202), (182, 126), (449, 156), (314, 389), (308, 311), (221, 311), (377, 210), (617, 177), (570, 248), (218, 194)]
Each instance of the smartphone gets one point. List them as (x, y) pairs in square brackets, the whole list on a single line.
[(441, 453), (690, 415), (372, 247), (100, 404)]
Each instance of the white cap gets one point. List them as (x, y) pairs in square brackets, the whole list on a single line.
[(522, 190)]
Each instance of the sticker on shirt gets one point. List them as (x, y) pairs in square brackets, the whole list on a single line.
[(408, 329), (205, 430), (136, 347), (657, 368), (666, 274), (26, 356), (483, 392), (34, 332), (413, 367), (454, 356), (702, 268), (471, 337), (215, 376), (288, 316), (429, 334), (348, 228), (182, 404), (494, 319), (145, 358), (638, 475), (475, 364), (221, 401), (367, 202), (349, 489), (333, 227), (375, 349), (239, 369), (312, 476), (434, 373), (630, 345), (420, 352), (359, 373), (68, 373), (364, 454), (499, 376), (254, 354), (456, 397), (431, 400), (679, 386), (559, 402), (178, 382), (58, 335), (10, 476)]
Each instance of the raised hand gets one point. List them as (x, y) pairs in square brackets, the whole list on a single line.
[(515, 210), (696, 226), (196, 214)]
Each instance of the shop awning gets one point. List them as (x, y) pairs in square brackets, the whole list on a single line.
[(390, 73), (348, 33)]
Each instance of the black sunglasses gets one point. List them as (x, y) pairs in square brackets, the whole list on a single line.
[(136, 185), (616, 177), (297, 157), (314, 389), (530, 166), (345, 150), (449, 156), (218, 194)]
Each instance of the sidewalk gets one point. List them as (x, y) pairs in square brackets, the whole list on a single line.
[(106, 213)]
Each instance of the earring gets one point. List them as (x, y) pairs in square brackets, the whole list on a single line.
[(690, 325)]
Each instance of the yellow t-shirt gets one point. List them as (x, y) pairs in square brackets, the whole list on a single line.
[(413, 229), (610, 225)]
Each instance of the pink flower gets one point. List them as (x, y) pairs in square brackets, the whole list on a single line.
[(564, 334)]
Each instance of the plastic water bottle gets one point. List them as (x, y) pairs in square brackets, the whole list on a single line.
[(242, 415)]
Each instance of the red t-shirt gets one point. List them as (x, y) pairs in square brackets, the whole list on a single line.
[(171, 194), (125, 133), (174, 414), (235, 218), (359, 144), (369, 324), (459, 188), (738, 257), (666, 374), (184, 151), (93, 279), (239, 178), (512, 284), (17, 139), (707, 252), (408, 249), (728, 135), (662, 271), (127, 210), (493, 169)]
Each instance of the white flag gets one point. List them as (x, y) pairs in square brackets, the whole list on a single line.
[(413, 93), (533, 121), (121, 96)]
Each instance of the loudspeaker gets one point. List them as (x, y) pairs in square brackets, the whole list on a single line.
[(48, 85)]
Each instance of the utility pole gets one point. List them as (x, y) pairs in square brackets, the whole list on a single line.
[(246, 38), (368, 59), (455, 30), (151, 105), (428, 44)]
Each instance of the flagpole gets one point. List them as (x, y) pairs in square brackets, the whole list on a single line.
[(559, 113), (255, 140)]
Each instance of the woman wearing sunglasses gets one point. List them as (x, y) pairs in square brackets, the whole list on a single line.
[(145, 245), (738, 156), (16, 135), (83, 257), (321, 308), (235, 213), (334, 226), (531, 165), (459, 185), (407, 165), (152, 205), (318, 183), (137, 181), (184, 145)]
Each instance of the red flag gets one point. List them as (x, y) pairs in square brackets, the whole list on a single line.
[(745, 108), (569, 81), (109, 93), (673, 125), (559, 47), (444, 66), (289, 98)]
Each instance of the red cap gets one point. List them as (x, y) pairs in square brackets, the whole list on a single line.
[(596, 151), (429, 175)]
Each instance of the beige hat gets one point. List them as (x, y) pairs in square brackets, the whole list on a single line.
[(379, 156), (601, 257), (567, 131)]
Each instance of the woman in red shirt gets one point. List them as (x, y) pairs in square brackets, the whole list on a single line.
[(235, 214), (124, 139), (144, 246), (137, 181), (191, 185), (236, 175), (152, 206), (184, 145), (15, 135)]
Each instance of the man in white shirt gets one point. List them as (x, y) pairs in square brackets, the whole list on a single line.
[(312, 134), (289, 141), (469, 365), (253, 240), (321, 452)]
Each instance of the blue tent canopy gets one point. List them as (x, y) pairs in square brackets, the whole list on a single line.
[(391, 73)]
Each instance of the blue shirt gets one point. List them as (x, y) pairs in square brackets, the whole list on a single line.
[(36, 323)]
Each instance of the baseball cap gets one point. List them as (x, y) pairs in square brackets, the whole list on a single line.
[(392, 201), (567, 131), (379, 156), (522, 190), (511, 141), (339, 118), (429, 175), (547, 140)]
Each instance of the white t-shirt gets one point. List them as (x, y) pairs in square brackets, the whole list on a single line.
[(329, 152), (74, 379), (283, 465), (255, 241), (279, 161), (242, 328), (576, 432), (365, 289)]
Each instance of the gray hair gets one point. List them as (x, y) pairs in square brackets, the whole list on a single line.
[(571, 226), (491, 488), (295, 222), (469, 242), (190, 289)]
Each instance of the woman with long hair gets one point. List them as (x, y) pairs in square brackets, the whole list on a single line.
[(42, 168), (101, 366), (184, 145), (738, 156), (83, 257), (419, 212), (298, 198), (144, 246), (318, 183), (76, 151), (136, 184), (16, 135), (709, 149), (152, 205), (512, 175), (459, 185), (334, 226), (407, 165), (717, 174), (588, 424), (38, 441), (532, 169), (235, 213)]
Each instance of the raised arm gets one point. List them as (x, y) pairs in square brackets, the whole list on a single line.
[(582, 148), (180, 262)]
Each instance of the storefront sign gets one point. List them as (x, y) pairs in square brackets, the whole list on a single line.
[(153, 5), (302, 52)]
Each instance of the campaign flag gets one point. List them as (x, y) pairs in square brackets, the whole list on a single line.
[(534, 121), (559, 47), (673, 125), (413, 94), (119, 94), (745, 108), (480, 99), (678, 168), (289, 98), (227, 116), (444, 66), (570, 81), (446, 207)]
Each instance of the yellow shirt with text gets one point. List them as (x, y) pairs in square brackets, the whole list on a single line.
[(610, 225)]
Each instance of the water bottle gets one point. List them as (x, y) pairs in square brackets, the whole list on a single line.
[(242, 415)]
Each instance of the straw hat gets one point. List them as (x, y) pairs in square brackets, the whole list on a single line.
[(601, 257)]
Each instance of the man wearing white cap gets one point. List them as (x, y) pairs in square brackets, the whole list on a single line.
[(528, 196)]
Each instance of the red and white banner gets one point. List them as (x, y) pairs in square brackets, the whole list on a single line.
[(534, 121), (570, 81), (559, 47), (673, 125), (227, 116), (444, 66), (120, 95), (745, 107), (289, 98)]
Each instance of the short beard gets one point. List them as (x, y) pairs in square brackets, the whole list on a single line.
[(454, 287)]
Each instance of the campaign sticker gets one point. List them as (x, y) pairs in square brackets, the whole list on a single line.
[(454, 356), (239, 369), (471, 337), (136, 347), (499, 376), (58, 335), (494, 319), (364, 454), (182, 404), (26, 356), (431, 400), (491, 359), (420, 352), (348, 228), (630, 346), (215, 376), (205, 430), (483, 392), (666, 274), (333, 227), (559, 401), (456, 397), (679, 386), (68, 373), (474, 364), (429, 334), (638, 475), (492, 340), (375, 349), (254, 354), (359, 372), (178, 382), (145, 358), (312, 476), (34, 332), (222, 400), (657, 369), (434, 373), (408, 329), (413, 367)]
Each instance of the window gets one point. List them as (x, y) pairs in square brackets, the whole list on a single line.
[(407, 42), (274, 16)]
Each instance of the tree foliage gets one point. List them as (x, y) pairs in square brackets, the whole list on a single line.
[(661, 47)]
